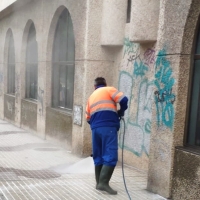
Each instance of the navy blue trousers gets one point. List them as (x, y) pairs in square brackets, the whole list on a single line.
[(105, 146)]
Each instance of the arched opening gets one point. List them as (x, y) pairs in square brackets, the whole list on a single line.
[(11, 65), (63, 59), (193, 136), (31, 64)]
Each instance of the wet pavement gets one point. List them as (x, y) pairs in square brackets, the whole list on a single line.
[(36, 169)]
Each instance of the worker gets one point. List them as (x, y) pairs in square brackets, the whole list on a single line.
[(104, 120)]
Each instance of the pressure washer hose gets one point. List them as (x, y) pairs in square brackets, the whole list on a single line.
[(123, 160)]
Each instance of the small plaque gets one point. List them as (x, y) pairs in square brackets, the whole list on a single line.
[(78, 110)]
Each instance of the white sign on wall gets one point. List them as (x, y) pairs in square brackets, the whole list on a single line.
[(78, 110)]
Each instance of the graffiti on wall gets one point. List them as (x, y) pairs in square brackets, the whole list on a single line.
[(138, 88), (137, 82), (40, 101), (17, 96), (131, 52), (164, 97), (140, 68), (17, 87), (1, 82), (10, 107), (149, 57)]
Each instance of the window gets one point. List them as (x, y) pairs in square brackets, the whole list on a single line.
[(194, 115), (128, 18), (63, 63), (31, 65), (11, 66)]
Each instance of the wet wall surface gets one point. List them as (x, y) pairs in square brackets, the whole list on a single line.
[(59, 125), (32, 168), (9, 107), (29, 114)]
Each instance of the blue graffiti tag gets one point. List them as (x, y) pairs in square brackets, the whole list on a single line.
[(138, 123), (164, 98), (128, 46), (139, 68), (131, 49)]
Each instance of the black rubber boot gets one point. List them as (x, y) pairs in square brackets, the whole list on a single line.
[(97, 173), (105, 176)]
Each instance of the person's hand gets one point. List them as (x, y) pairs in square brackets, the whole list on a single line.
[(120, 113)]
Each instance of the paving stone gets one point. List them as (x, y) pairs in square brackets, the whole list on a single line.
[(27, 172)]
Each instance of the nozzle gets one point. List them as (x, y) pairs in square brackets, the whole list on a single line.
[(122, 118)]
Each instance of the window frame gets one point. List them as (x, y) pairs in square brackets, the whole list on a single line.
[(11, 66), (192, 147), (59, 62), (31, 63), (128, 11)]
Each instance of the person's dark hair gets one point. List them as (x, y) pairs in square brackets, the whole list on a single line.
[(100, 81)]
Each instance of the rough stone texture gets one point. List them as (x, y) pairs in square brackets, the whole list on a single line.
[(9, 107), (1, 90), (162, 137), (175, 35), (172, 19), (45, 22), (77, 136), (59, 126), (160, 163), (183, 93), (186, 177), (93, 69), (17, 94), (113, 17), (139, 91), (131, 159), (144, 20), (29, 115), (190, 27), (135, 79), (93, 49), (98, 61), (177, 39), (41, 111), (186, 165), (88, 48)]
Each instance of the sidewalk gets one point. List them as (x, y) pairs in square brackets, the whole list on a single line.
[(35, 169)]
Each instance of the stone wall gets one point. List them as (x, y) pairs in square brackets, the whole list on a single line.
[(59, 127), (153, 74), (9, 107), (186, 177), (6, 3), (29, 115)]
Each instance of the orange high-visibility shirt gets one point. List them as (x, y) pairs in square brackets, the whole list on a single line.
[(103, 99)]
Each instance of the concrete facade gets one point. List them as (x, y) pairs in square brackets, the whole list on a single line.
[(153, 73), (5, 3)]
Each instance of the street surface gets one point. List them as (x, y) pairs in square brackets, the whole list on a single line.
[(35, 169)]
